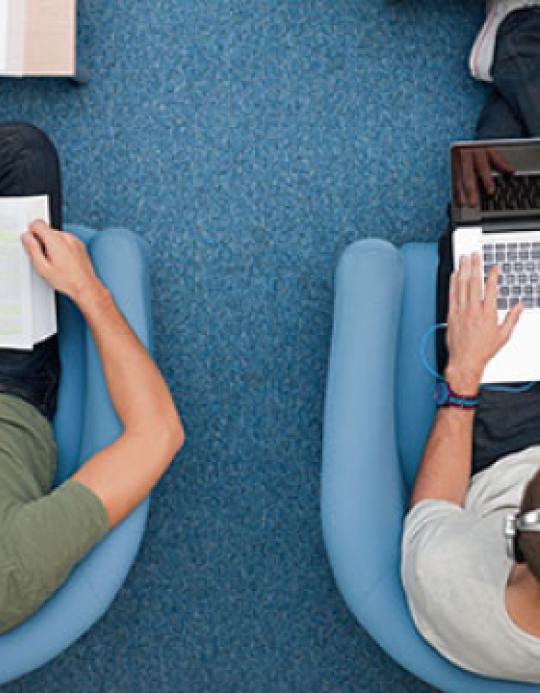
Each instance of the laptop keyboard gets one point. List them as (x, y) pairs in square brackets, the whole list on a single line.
[(519, 275), (517, 192)]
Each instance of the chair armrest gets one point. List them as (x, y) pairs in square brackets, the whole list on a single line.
[(363, 494), (120, 260)]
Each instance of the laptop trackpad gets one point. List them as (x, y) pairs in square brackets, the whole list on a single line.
[(519, 359)]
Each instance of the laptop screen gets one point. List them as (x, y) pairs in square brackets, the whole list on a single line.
[(495, 180)]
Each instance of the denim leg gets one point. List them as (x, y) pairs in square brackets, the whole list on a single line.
[(516, 67), (504, 422), (29, 166), (497, 121)]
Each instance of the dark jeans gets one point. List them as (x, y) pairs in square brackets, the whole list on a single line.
[(29, 166), (504, 422)]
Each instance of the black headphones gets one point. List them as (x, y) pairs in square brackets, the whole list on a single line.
[(515, 523)]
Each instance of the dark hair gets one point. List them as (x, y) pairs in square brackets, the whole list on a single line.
[(529, 542)]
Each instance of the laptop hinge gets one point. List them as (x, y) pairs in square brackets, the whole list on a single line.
[(508, 226)]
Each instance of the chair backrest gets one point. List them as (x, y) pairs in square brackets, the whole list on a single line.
[(70, 409), (68, 421), (415, 407)]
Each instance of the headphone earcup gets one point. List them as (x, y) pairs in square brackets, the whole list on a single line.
[(518, 553)]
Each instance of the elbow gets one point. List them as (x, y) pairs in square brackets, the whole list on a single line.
[(178, 437), (174, 434), (166, 431)]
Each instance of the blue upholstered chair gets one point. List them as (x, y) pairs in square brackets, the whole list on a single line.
[(85, 423), (379, 410)]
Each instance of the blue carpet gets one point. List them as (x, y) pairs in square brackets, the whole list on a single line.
[(249, 142)]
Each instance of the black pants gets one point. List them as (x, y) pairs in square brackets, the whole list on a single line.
[(504, 422), (29, 166)]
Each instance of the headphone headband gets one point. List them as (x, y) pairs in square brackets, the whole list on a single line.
[(529, 521), (514, 523)]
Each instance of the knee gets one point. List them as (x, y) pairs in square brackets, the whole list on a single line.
[(37, 141), (22, 140), (517, 39)]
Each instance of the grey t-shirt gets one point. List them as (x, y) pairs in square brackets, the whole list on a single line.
[(455, 570)]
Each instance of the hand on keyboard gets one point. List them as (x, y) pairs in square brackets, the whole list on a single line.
[(519, 271), (473, 173), (474, 335)]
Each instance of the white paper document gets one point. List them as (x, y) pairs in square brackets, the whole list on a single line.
[(12, 37), (27, 302), (4, 8)]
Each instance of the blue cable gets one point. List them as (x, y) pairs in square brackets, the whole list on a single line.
[(438, 376)]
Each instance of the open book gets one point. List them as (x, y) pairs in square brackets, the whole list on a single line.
[(27, 302)]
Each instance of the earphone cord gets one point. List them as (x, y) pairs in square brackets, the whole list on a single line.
[(438, 376)]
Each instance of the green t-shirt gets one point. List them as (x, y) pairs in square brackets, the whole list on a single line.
[(43, 533)]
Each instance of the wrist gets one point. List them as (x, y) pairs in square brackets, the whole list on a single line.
[(91, 294), (463, 381)]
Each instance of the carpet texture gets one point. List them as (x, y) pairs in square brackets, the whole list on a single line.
[(249, 142)]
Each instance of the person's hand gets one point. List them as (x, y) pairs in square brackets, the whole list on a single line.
[(474, 335), (475, 167), (61, 259)]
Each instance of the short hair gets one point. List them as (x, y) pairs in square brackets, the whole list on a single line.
[(529, 542)]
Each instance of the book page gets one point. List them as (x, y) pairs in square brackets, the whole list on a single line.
[(27, 302), (15, 308), (43, 296), (13, 12), (3, 34), (11, 323)]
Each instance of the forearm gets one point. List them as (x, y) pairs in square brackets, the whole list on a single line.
[(474, 336), (445, 468), (139, 394), (124, 472)]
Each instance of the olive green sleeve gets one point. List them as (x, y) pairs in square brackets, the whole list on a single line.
[(44, 540)]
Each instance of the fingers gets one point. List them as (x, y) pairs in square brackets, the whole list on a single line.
[(35, 251), (499, 162), (469, 181), (458, 195), (42, 232), (40, 229), (476, 281), (510, 322), (490, 294), (453, 294), (463, 282), (484, 170), (465, 290)]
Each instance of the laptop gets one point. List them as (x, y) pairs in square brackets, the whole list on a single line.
[(495, 211)]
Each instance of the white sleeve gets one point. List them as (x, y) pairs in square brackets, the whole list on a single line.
[(431, 530), (452, 566)]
